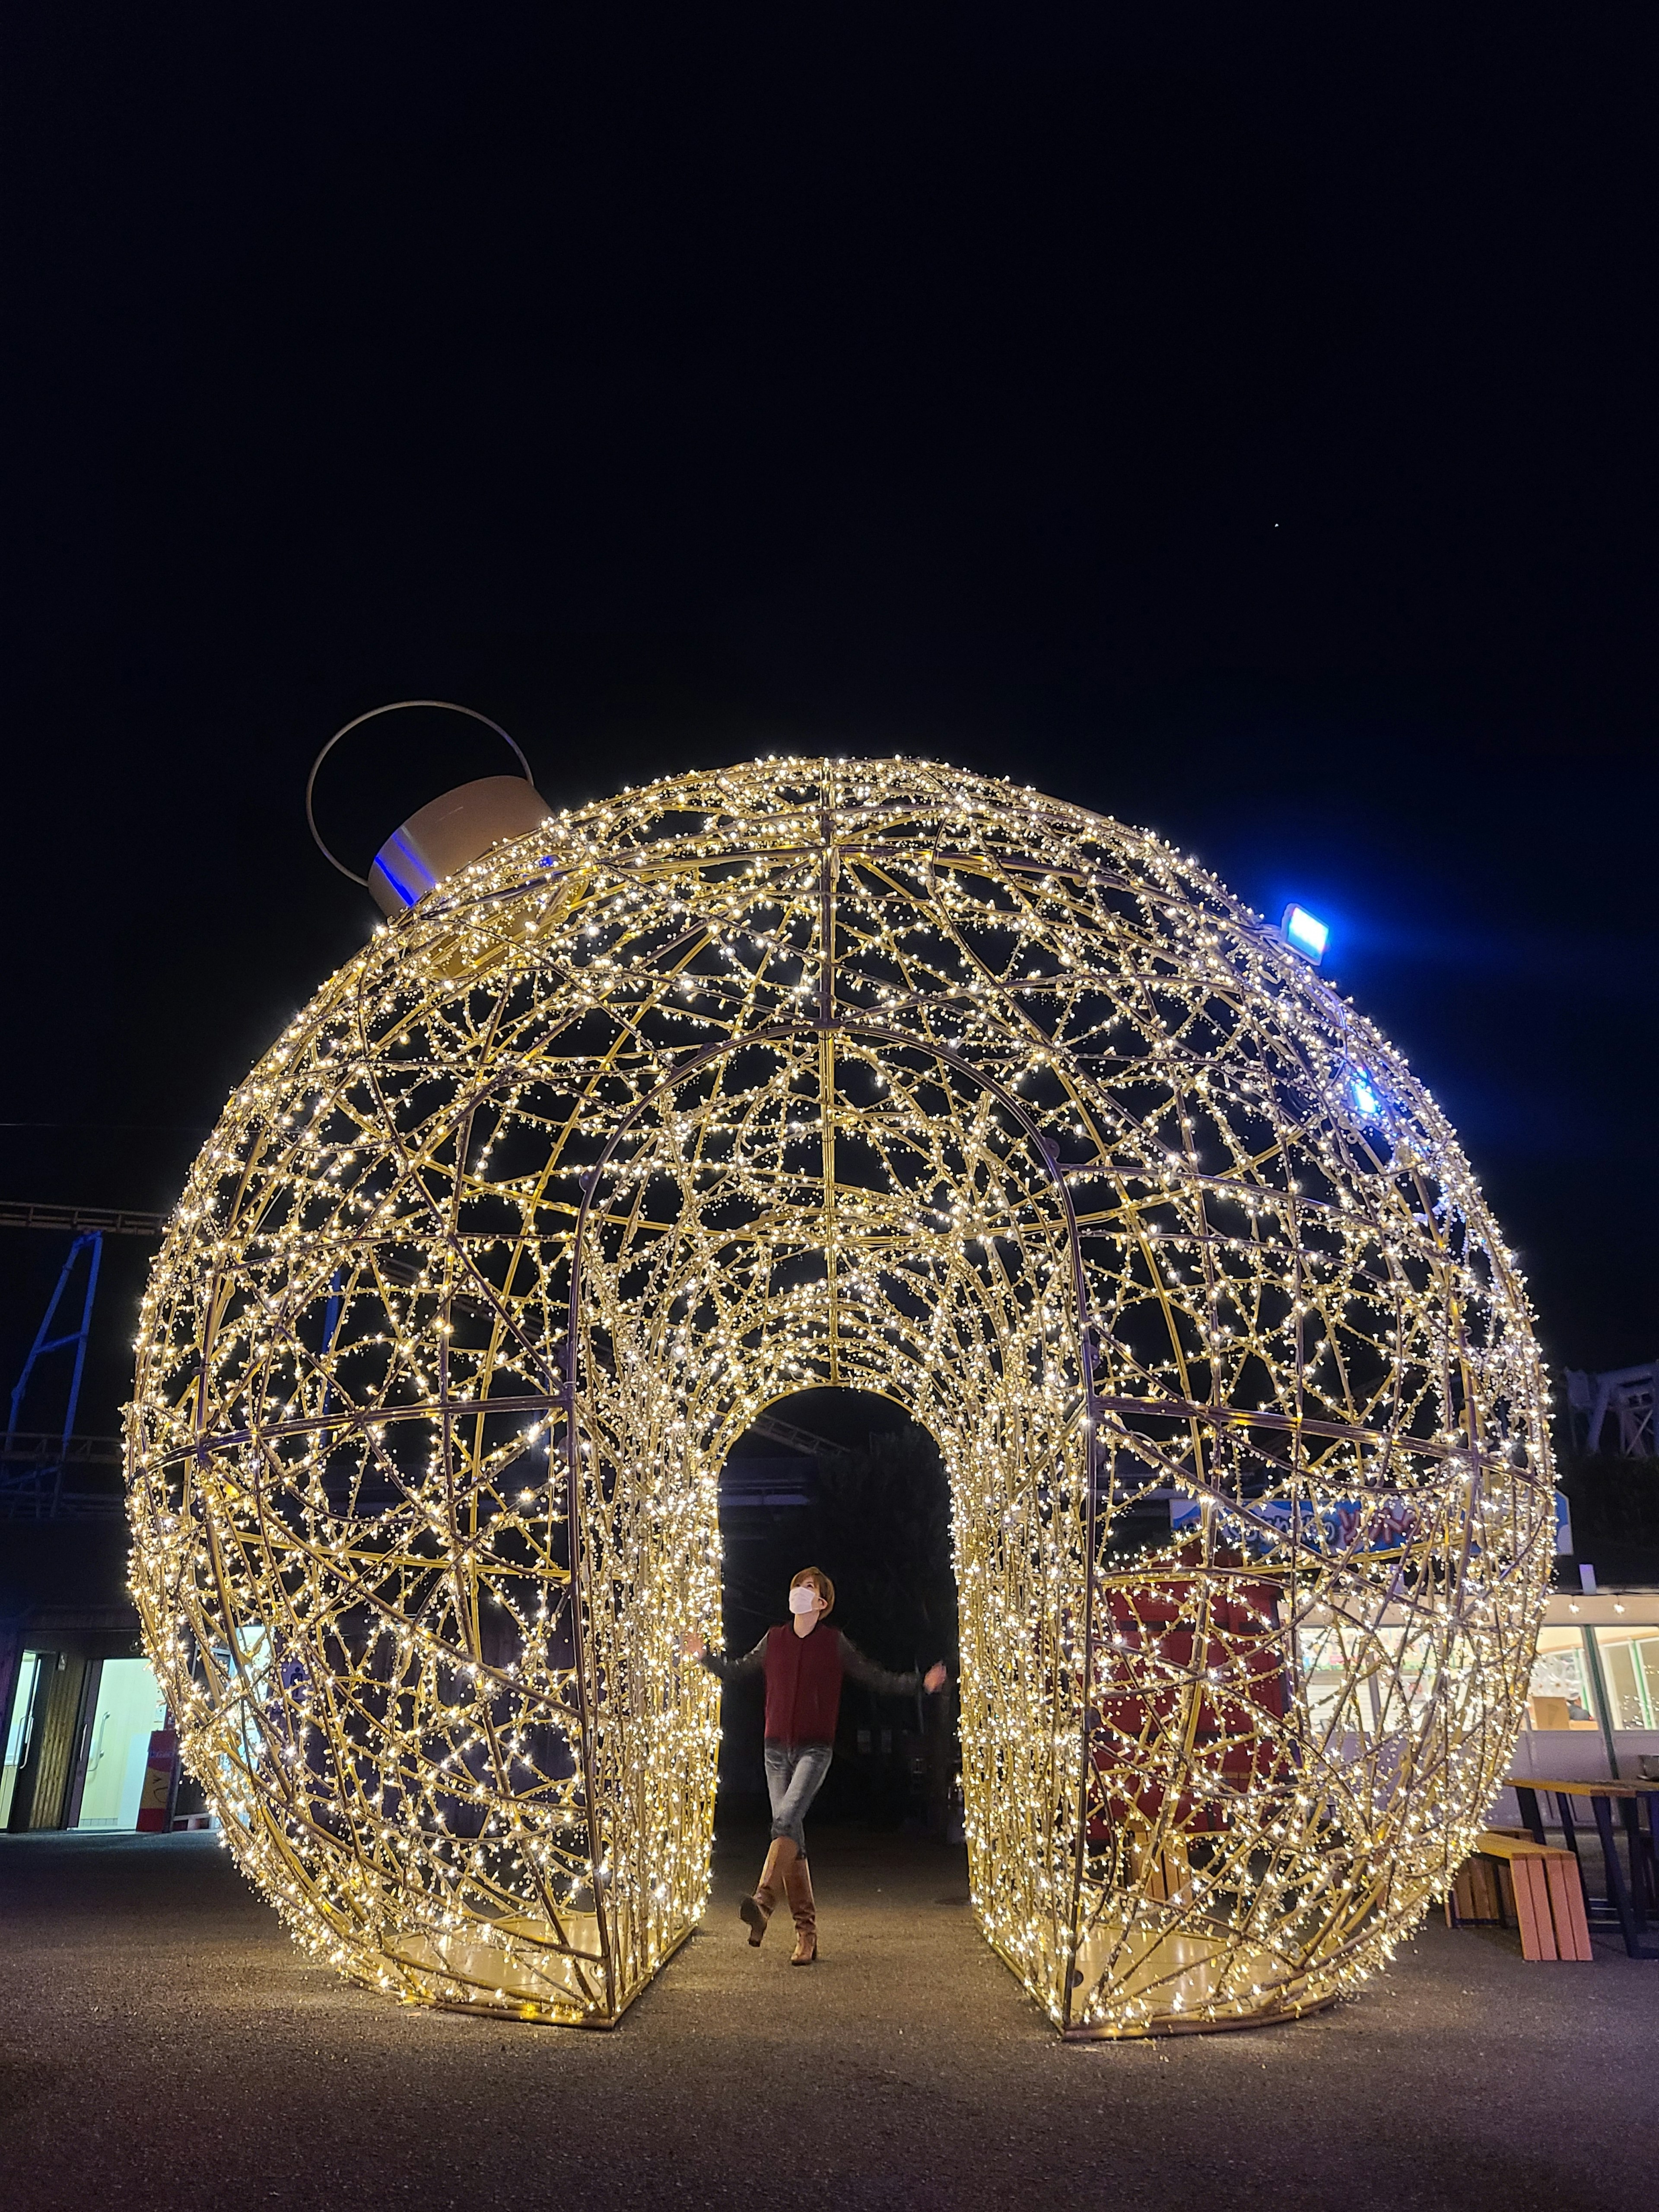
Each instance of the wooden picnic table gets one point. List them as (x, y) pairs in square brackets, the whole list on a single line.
[(1585, 1789), (1627, 1901)]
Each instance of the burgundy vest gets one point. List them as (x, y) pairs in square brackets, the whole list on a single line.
[(803, 1684)]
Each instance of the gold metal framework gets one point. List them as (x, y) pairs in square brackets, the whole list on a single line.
[(866, 1072)]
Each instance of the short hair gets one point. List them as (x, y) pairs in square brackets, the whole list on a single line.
[(820, 1581)]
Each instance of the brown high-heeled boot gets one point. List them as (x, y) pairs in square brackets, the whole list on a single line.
[(758, 1909), (797, 1881)]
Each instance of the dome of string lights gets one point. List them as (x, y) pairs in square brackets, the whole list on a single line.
[(860, 1072)]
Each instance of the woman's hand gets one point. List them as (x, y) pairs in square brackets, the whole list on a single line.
[(934, 1678), (692, 1644)]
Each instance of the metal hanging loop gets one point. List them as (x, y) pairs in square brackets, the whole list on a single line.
[(394, 706)]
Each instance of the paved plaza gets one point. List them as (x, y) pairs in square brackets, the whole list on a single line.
[(162, 2043)]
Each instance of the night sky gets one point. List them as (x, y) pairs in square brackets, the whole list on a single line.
[(1239, 421)]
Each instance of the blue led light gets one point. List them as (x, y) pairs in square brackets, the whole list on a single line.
[(1305, 933), (408, 895), (1365, 1098)]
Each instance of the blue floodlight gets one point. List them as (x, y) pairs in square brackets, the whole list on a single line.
[(1305, 933)]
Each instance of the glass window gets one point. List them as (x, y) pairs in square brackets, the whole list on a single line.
[(1365, 1683), (1405, 1682), (1334, 1712), (1627, 1656), (1559, 1694), (17, 1731), (130, 1706)]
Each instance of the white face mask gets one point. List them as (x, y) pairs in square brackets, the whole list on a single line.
[(803, 1598)]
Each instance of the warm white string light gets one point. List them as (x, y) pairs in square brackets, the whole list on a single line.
[(865, 1073)]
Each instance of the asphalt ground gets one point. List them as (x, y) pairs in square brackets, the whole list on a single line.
[(162, 2043)]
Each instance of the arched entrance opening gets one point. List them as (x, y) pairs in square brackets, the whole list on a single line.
[(844, 1480), (835, 1209), (864, 1075)]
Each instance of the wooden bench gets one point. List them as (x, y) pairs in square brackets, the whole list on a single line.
[(1629, 1897), (1530, 1885)]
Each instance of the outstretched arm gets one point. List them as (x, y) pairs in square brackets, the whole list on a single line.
[(864, 1670), (728, 1669)]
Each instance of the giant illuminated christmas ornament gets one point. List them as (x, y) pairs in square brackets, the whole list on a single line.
[(871, 1072)]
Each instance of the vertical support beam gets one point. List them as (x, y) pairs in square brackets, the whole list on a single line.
[(827, 1062), (1093, 1455), (582, 1597), (1602, 1808), (44, 1342), (1603, 1703), (92, 1242), (96, 1241)]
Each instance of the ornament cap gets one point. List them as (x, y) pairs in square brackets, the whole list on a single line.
[(448, 834)]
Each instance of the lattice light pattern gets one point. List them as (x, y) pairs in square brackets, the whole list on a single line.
[(866, 1072)]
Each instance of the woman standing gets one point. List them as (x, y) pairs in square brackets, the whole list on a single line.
[(805, 1664)]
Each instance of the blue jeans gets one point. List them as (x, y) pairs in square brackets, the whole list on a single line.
[(794, 1775)]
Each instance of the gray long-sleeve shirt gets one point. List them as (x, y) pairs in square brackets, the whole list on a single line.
[(853, 1664)]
